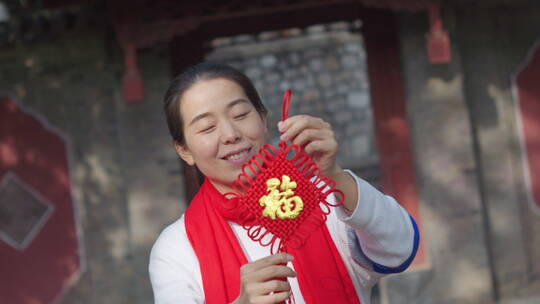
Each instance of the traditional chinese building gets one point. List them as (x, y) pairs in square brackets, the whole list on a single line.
[(435, 102)]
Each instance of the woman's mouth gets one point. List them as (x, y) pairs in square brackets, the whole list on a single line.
[(240, 156)]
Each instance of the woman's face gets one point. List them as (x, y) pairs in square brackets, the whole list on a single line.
[(222, 130)]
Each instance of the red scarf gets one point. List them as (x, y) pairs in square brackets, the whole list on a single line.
[(322, 275)]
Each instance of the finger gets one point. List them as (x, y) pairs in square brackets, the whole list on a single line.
[(270, 273), (265, 288), (309, 135), (275, 259), (279, 273), (292, 126), (302, 121), (320, 146), (314, 121), (275, 272), (276, 297)]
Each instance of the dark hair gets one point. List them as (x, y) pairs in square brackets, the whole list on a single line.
[(203, 71)]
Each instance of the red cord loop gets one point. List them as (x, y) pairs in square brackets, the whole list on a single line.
[(286, 104)]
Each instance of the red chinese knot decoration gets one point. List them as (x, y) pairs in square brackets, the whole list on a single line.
[(280, 195)]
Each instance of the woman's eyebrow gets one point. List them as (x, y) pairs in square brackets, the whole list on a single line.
[(237, 101), (199, 117)]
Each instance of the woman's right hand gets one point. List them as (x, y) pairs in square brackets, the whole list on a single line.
[(260, 280)]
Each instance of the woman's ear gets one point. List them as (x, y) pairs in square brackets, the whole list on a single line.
[(184, 153)]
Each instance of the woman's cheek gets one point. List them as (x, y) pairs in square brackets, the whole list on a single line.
[(209, 145), (255, 128), (200, 145)]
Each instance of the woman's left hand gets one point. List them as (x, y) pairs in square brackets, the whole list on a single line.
[(317, 139)]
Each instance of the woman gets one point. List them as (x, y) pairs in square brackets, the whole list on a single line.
[(218, 123)]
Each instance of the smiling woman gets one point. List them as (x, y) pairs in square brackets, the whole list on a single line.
[(218, 123), (222, 129)]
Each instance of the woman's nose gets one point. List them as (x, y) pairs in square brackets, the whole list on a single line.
[(230, 133)]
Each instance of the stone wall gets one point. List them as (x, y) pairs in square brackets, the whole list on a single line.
[(153, 180), (481, 236), (71, 86), (325, 67), (124, 171), (450, 202), (495, 43)]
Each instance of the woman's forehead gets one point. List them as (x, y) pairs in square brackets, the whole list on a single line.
[(211, 95)]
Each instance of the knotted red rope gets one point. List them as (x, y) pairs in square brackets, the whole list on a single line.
[(281, 195)]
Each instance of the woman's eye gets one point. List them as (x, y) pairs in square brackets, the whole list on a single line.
[(207, 129), (240, 116)]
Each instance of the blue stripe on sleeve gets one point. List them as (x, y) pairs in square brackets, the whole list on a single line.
[(386, 270)]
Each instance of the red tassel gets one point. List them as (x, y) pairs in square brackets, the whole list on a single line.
[(438, 42), (132, 81)]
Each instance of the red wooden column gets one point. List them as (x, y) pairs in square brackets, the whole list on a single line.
[(527, 92), (391, 125)]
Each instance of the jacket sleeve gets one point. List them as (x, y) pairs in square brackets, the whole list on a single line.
[(385, 235), (174, 268)]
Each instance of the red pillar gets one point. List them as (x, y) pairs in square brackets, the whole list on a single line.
[(391, 124)]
